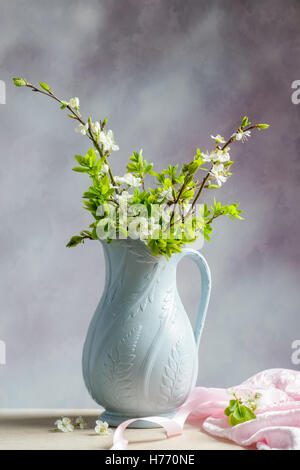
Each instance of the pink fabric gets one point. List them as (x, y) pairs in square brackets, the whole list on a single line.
[(277, 423)]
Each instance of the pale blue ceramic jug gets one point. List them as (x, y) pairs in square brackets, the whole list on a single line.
[(140, 357)]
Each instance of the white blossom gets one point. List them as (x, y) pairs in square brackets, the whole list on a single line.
[(107, 140), (129, 179), (218, 138), (207, 157), (218, 173), (218, 155), (123, 198), (242, 135), (221, 155), (95, 127), (64, 425), (153, 226), (80, 422), (104, 168), (82, 129), (74, 102), (102, 428), (165, 194), (138, 229)]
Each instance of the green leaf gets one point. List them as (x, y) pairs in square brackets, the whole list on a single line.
[(187, 194), (104, 189), (238, 413), (232, 421), (160, 178), (167, 183), (45, 86), (79, 169), (74, 241), (64, 104), (244, 121), (19, 81), (91, 157), (263, 126), (81, 160)]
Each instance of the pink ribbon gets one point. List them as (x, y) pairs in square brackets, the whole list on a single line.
[(174, 426), (278, 414), (171, 426)]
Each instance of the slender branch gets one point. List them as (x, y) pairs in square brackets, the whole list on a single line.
[(88, 237), (50, 94), (229, 141), (205, 179), (232, 138), (176, 201), (200, 189), (209, 221)]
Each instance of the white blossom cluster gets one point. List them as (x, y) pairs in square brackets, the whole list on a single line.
[(218, 157), (106, 139), (65, 425)]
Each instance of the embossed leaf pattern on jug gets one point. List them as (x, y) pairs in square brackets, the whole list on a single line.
[(119, 365), (177, 375)]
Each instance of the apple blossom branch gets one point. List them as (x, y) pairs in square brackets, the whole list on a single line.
[(174, 187), (75, 114)]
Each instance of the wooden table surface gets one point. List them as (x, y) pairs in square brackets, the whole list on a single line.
[(33, 429)]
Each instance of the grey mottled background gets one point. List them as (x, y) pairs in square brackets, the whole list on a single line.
[(167, 74)]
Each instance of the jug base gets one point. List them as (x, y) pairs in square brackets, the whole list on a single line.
[(114, 419)]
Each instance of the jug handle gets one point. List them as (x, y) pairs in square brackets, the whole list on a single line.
[(205, 288)]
